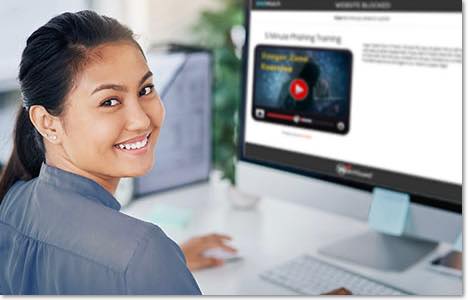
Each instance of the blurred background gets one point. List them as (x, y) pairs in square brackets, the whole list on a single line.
[(216, 25), (199, 81)]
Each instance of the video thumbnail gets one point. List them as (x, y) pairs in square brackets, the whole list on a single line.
[(303, 87)]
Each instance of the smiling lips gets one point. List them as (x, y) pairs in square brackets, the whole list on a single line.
[(134, 144)]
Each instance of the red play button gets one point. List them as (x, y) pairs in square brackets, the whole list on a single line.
[(298, 89)]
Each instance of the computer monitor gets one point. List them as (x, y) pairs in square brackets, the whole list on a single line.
[(341, 97)]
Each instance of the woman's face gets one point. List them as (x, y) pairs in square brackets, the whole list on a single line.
[(113, 114)]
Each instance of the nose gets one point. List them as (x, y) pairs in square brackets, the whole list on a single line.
[(137, 117)]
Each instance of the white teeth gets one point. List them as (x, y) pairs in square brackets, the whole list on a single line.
[(134, 146)]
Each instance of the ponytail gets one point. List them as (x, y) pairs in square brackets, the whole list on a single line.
[(27, 155)]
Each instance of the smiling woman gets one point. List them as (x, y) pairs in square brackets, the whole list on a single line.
[(112, 103), (89, 116)]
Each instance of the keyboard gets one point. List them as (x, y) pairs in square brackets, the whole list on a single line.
[(309, 276)]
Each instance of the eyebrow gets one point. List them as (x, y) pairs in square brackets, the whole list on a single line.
[(117, 87)]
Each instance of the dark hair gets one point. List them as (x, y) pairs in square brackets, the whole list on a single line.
[(53, 56)]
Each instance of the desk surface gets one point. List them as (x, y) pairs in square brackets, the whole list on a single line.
[(271, 233)]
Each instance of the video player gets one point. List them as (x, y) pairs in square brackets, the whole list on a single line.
[(303, 87)]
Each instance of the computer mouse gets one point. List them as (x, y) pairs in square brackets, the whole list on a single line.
[(220, 253)]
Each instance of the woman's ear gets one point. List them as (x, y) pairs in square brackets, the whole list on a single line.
[(47, 125)]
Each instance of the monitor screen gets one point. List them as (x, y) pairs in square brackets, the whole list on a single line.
[(362, 93)]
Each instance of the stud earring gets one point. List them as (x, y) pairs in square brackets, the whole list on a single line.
[(52, 137)]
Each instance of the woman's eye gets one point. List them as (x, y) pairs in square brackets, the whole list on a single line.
[(110, 102), (146, 90)]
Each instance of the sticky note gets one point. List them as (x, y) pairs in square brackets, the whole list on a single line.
[(166, 215), (458, 245), (389, 211)]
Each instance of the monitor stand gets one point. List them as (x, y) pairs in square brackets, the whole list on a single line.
[(380, 251)]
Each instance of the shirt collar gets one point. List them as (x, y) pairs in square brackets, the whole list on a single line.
[(79, 184)]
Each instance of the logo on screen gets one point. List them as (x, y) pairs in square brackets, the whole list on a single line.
[(348, 169), (267, 3)]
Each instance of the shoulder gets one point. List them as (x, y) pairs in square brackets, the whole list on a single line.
[(103, 235), (112, 237), (74, 224), (84, 231)]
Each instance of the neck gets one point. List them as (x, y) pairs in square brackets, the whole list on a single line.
[(108, 183)]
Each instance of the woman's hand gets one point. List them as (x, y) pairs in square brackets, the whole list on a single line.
[(195, 247)]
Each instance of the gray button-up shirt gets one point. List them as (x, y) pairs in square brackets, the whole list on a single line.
[(61, 233)]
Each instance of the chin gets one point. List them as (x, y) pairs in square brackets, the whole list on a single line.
[(136, 171)]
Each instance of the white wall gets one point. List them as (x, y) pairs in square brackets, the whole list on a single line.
[(157, 21)]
